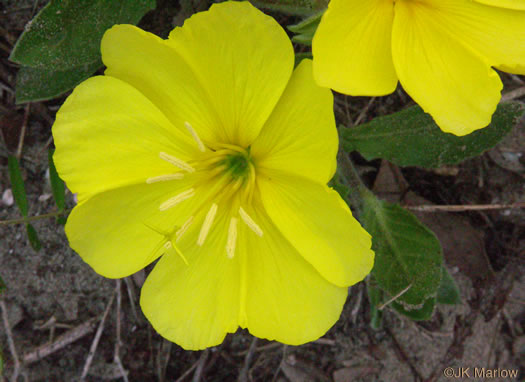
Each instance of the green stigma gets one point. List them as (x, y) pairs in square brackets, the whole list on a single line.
[(238, 164)]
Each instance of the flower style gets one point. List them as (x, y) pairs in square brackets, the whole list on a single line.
[(441, 51), (209, 149)]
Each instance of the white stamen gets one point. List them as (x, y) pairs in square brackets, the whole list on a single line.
[(207, 224), (195, 136), (182, 230), (176, 162), (177, 199), (164, 178), (170, 246), (249, 222), (232, 238)]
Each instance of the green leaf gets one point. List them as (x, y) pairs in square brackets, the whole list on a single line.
[(40, 84), (66, 34), (301, 56), (17, 184), (411, 137), (421, 314), (408, 256), (448, 292), (375, 297), (341, 189), (291, 7), (60, 47), (57, 185), (33, 237), (305, 30), (3, 287)]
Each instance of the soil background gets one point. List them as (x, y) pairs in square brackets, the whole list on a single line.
[(55, 304)]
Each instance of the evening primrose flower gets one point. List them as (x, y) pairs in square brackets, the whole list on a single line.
[(442, 52), (209, 151)]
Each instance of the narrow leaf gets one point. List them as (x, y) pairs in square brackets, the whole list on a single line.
[(290, 7), (57, 185), (448, 292), (17, 185), (412, 138), (375, 297), (305, 30), (408, 255), (3, 287), (33, 237), (301, 56)]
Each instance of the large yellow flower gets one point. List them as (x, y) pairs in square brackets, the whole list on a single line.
[(442, 52), (209, 149)]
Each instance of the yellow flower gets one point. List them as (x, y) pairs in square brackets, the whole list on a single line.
[(209, 149), (442, 52)]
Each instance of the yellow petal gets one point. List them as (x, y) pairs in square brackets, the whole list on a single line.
[(153, 67), (498, 34), (511, 4), (352, 47), (318, 224), (195, 305), (300, 136), (110, 230), (452, 83), (243, 59), (286, 298), (108, 135)]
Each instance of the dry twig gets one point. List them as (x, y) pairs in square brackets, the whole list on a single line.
[(243, 376), (61, 341), (394, 298), (187, 372), (463, 207), (200, 366), (10, 341), (513, 94), (116, 356), (94, 344), (131, 295), (163, 359), (23, 131), (363, 112)]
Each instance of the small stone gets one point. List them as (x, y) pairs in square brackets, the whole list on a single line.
[(7, 197)]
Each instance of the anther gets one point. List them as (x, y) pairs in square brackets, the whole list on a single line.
[(176, 162), (164, 178), (182, 230), (249, 222), (168, 246), (171, 202), (195, 136), (232, 238), (207, 224)]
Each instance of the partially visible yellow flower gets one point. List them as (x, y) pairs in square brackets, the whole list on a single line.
[(442, 52), (210, 150)]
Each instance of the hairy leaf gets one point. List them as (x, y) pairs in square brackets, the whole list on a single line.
[(40, 84), (448, 292), (412, 138), (408, 255), (60, 47)]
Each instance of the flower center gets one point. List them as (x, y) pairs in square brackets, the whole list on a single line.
[(238, 164), (227, 169)]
